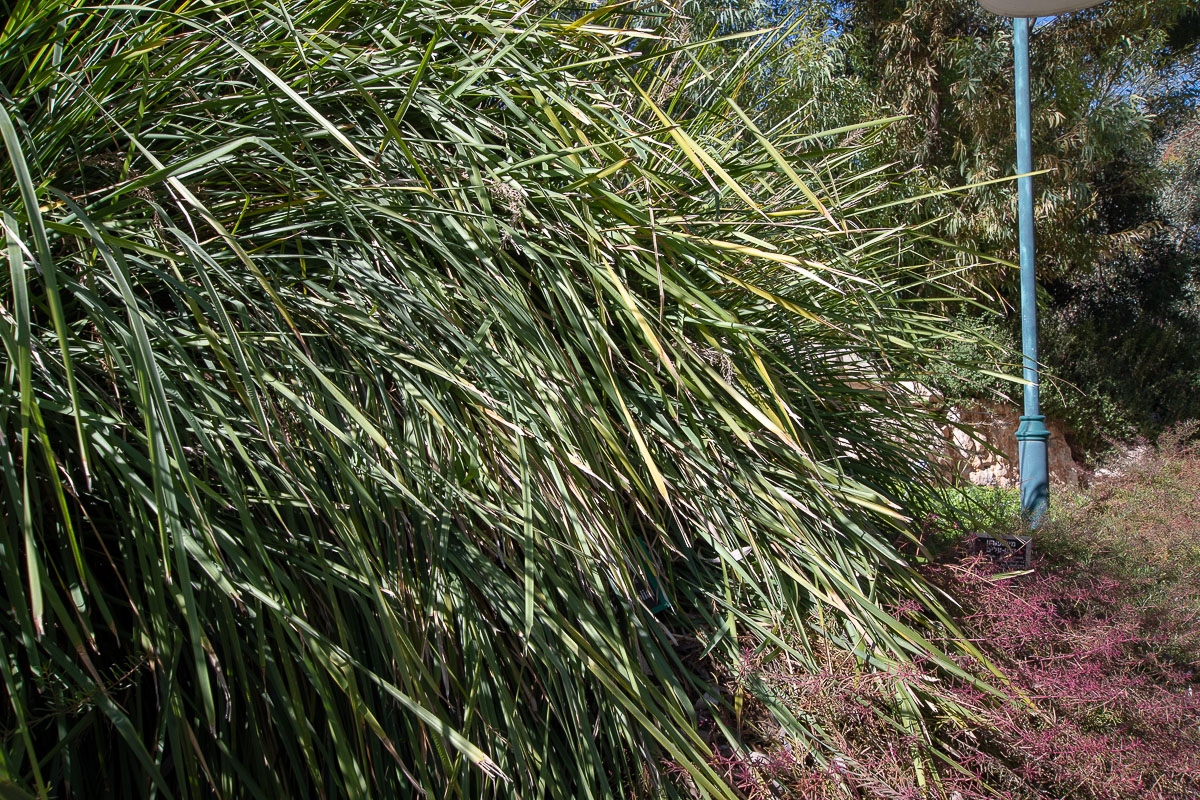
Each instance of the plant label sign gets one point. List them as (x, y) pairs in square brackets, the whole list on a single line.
[(1015, 552), (650, 591)]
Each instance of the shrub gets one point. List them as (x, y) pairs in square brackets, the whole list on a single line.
[(973, 365), (1124, 341)]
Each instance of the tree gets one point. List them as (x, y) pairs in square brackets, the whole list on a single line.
[(1113, 95), (948, 65)]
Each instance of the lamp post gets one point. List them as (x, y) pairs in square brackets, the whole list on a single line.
[(1032, 436)]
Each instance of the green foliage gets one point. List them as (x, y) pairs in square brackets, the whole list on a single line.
[(982, 509), (1178, 198), (1124, 342), (979, 363), (361, 362)]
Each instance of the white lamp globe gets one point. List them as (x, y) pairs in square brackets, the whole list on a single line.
[(1035, 8)]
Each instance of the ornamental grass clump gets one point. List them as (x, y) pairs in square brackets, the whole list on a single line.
[(372, 371)]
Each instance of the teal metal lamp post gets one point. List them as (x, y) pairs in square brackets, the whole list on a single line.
[(1032, 436)]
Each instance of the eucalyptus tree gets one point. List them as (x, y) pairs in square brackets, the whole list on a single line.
[(1098, 77), (1113, 87)]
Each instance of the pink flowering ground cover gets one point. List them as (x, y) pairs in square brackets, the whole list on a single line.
[(1098, 648)]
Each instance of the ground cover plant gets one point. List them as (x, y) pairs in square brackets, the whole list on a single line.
[(1100, 646), (413, 399), (1103, 636)]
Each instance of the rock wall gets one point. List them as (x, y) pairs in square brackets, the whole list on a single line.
[(990, 457)]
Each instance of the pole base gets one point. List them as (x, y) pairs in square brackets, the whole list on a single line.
[(1033, 450)]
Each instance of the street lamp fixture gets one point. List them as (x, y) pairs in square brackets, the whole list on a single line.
[(1032, 436), (1034, 8)]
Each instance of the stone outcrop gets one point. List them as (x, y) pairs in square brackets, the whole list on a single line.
[(989, 457)]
